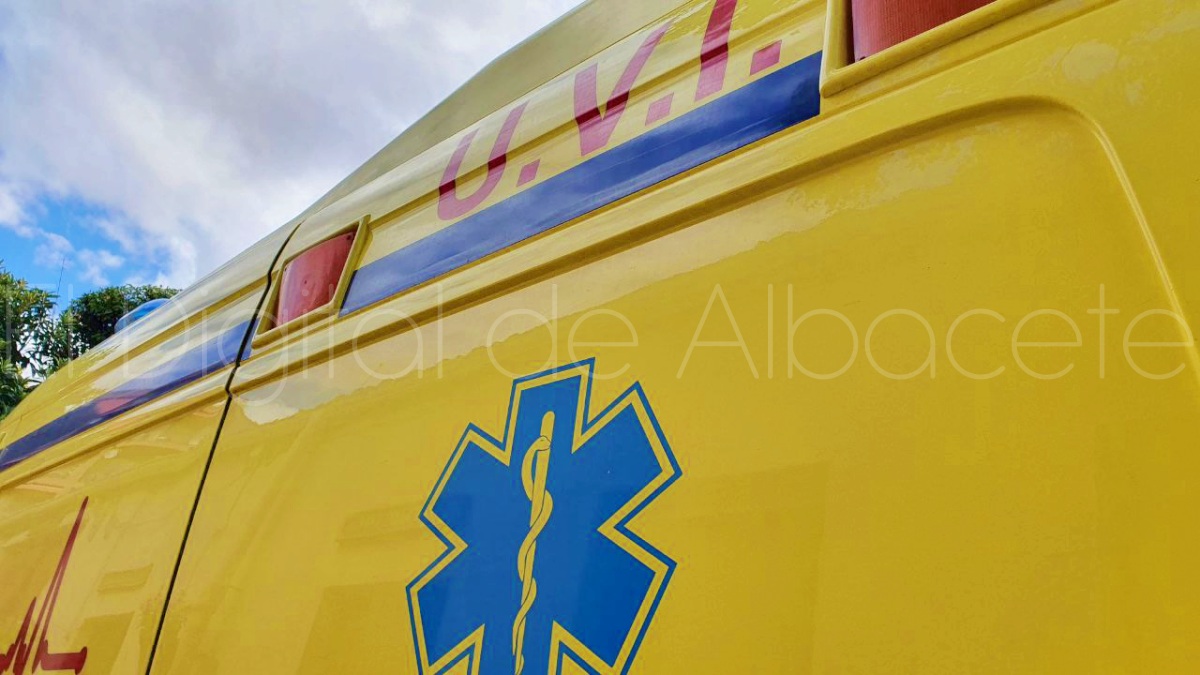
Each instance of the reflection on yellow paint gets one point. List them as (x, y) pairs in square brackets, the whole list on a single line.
[(926, 363)]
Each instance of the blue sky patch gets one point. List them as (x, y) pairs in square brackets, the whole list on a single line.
[(62, 246)]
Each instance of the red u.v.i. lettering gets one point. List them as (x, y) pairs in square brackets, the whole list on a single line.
[(714, 54), (595, 127), (31, 648), (450, 205)]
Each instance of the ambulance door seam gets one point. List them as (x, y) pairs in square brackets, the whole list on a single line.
[(242, 353)]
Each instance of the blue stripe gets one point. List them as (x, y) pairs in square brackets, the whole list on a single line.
[(769, 105), (203, 360)]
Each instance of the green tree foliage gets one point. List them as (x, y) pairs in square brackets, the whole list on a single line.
[(27, 314), (13, 388), (92, 317), (34, 342)]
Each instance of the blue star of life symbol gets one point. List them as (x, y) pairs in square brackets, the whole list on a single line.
[(540, 568)]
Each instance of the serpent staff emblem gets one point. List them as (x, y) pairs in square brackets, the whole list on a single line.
[(534, 471)]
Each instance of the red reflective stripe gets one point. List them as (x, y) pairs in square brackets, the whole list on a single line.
[(879, 24), (309, 280)]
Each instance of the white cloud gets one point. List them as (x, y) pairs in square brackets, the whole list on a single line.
[(204, 127), (54, 252), (95, 264), (141, 280), (121, 232), (12, 215)]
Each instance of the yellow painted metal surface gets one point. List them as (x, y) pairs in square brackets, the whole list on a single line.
[(910, 385), (93, 514), (131, 498)]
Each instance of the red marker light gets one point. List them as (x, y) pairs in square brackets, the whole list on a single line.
[(879, 24), (310, 280)]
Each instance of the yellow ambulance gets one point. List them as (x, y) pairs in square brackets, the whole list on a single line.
[(691, 336)]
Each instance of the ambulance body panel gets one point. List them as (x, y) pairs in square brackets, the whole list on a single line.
[(692, 345), (102, 468)]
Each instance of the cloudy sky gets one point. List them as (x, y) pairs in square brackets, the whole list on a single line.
[(151, 140)]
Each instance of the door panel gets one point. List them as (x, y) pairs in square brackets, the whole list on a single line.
[(127, 503), (100, 471), (851, 399)]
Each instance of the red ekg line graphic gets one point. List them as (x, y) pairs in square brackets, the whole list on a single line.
[(31, 647)]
